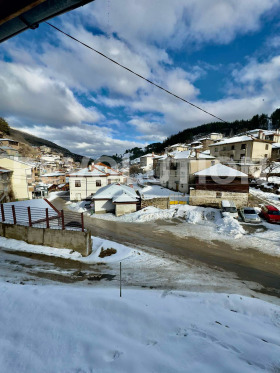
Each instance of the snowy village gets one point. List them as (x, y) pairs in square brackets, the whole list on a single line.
[(139, 187)]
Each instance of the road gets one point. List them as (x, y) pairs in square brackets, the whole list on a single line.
[(248, 264)]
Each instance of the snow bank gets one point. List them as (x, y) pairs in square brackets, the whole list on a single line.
[(230, 227), (51, 329), (156, 191), (122, 253)]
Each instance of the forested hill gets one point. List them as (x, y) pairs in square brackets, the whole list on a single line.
[(227, 129)]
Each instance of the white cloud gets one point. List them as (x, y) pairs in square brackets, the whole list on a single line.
[(29, 93), (173, 23), (88, 140)]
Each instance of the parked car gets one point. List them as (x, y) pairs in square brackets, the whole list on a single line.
[(229, 209), (271, 214), (249, 215)]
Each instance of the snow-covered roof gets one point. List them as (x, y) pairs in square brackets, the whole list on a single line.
[(4, 170), (187, 154), (98, 170), (8, 140), (276, 145), (116, 192), (233, 140), (220, 170), (150, 155), (54, 174)]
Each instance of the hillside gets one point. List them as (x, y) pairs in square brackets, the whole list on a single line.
[(226, 128), (28, 139)]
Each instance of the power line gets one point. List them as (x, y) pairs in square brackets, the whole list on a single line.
[(133, 72)]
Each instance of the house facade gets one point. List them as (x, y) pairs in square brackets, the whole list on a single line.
[(177, 170), (217, 183), (115, 198), (53, 178), (10, 143), (275, 152), (84, 183), (242, 147), (23, 176)]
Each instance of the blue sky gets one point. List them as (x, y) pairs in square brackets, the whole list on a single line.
[(221, 55)]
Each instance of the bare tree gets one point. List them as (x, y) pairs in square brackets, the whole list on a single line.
[(270, 167)]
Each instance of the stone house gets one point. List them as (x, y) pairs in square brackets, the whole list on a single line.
[(53, 178), (219, 182)]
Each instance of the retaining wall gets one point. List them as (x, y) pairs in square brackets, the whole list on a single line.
[(62, 239), (161, 203)]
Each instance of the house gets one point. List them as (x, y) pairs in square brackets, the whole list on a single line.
[(8, 150), (6, 193), (117, 198), (176, 148), (275, 152), (53, 178), (10, 143), (269, 135), (177, 169), (147, 161), (23, 176), (219, 182), (242, 148), (86, 182)]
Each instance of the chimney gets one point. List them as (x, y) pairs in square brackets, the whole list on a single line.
[(91, 166), (260, 134)]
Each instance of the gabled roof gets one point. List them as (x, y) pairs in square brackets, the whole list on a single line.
[(220, 170), (116, 192), (98, 170)]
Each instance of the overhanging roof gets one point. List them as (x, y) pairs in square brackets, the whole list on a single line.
[(19, 15)]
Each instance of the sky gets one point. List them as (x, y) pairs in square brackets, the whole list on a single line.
[(221, 55)]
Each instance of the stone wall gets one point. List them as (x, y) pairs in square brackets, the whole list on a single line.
[(161, 203), (209, 198), (63, 239)]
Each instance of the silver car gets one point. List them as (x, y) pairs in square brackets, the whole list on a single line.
[(249, 215)]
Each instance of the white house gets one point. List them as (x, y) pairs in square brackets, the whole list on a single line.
[(117, 198), (86, 182), (147, 161)]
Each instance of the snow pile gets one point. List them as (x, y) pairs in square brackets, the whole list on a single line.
[(51, 329), (77, 207), (230, 227), (269, 198), (98, 244)]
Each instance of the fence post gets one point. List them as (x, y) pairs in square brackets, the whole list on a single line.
[(29, 216), (47, 218), (82, 220), (62, 219), (2, 212), (14, 214)]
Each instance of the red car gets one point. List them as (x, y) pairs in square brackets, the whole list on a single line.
[(271, 214)]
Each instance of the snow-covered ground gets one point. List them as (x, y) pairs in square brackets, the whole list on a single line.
[(97, 244), (50, 329), (266, 196), (157, 191)]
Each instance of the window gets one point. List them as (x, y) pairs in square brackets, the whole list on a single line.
[(98, 183), (216, 150), (219, 195), (232, 147), (265, 155), (212, 163), (109, 181), (77, 183), (266, 147), (224, 148), (243, 146)]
